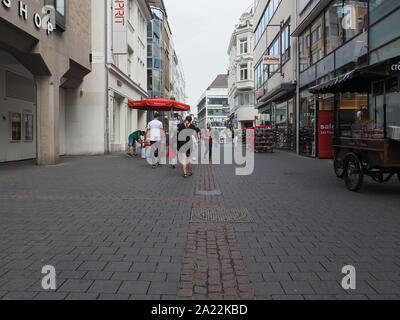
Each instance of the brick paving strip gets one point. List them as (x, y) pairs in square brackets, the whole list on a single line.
[(213, 266)]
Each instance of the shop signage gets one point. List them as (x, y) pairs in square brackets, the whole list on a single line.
[(120, 38), (326, 124), (272, 60), (395, 66), (47, 21)]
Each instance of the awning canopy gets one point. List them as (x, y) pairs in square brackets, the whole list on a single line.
[(159, 105), (359, 80), (281, 91)]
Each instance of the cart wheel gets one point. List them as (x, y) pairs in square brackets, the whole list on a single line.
[(338, 167), (353, 173)]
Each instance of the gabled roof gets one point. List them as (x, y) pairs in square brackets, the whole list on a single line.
[(221, 81)]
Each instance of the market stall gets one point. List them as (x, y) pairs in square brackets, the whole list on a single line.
[(367, 122)]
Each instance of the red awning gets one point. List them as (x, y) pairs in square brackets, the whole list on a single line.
[(159, 105)]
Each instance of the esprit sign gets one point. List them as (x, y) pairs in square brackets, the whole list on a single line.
[(120, 36), (47, 21)]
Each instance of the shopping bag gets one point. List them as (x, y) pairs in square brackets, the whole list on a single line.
[(143, 153)]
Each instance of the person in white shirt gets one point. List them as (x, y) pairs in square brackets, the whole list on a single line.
[(154, 129)]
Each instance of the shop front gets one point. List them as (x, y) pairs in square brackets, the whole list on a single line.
[(17, 110), (279, 111)]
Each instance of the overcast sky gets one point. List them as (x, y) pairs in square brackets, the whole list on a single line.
[(201, 31)]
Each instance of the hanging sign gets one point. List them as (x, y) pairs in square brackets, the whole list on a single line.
[(120, 38)]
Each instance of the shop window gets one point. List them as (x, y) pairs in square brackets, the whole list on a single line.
[(15, 126), (354, 115), (307, 124), (393, 102), (333, 26), (28, 127), (304, 50)]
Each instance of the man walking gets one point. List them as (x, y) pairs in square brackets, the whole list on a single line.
[(135, 137), (154, 129)]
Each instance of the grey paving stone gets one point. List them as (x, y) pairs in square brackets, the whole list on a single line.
[(276, 277), (118, 266), (268, 288), (163, 288), (105, 286), (144, 297), (82, 296), (18, 295), (284, 267), (75, 286), (297, 287), (51, 296), (134, 287), (109, 297), (143, 267), (92, 265), (154, 276)]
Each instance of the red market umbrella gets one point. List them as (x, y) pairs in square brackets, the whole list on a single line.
[(159, 105)]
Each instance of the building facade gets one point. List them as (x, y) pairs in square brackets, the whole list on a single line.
[(213, 105), (241, 75), (275, 68), (44, 56), (333, 39), (119, 75)]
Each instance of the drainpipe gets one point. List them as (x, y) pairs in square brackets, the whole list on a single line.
[(107, 103), (298, 86)]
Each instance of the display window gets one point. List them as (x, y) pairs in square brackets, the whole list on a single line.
[(15, 126), (28, 127), (307, 121)]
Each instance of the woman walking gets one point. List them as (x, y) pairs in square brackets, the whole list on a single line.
[(185, 156)]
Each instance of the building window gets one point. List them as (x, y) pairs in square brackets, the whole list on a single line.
[(15, 126), (274, 51), (60, 8), (379, 8), (243, 72), (243, 46), (355, 14), (333, 26), (265, 19), (304, 50), (286, 43), (217, 101), (317, 51)]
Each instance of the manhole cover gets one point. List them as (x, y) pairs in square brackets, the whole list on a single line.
[(221, 215)]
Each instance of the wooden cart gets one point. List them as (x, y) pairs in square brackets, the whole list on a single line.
[(367, 147)]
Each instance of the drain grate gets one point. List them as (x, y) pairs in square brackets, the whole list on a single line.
[(221, 215)]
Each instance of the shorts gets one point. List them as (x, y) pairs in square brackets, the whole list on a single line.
[(132, 143)]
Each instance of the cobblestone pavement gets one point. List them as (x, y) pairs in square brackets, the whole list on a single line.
[(116, 229)]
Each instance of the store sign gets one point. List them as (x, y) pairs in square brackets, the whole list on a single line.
[(272, 60), (120, 37), (326, 129), (395, 67), (47, 21)]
